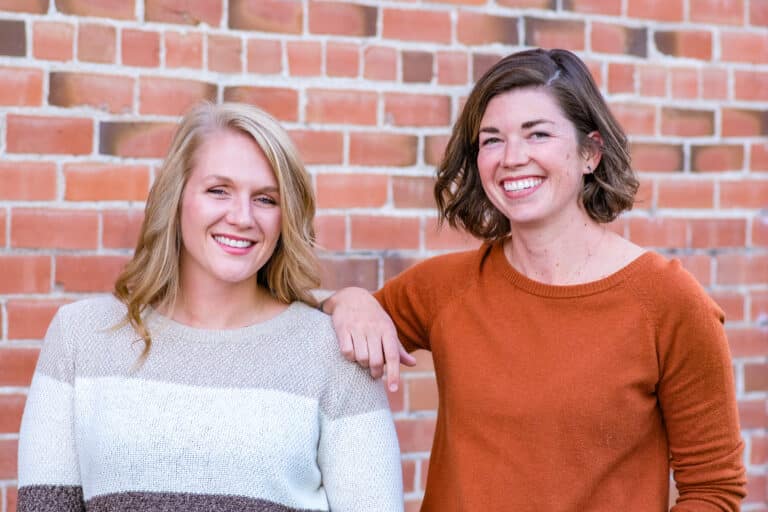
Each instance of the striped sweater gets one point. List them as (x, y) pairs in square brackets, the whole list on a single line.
[(264, 418)]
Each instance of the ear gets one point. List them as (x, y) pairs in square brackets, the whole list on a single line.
[(593, 152)]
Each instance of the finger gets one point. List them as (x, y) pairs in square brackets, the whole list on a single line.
[(361, 350), (406, 358), (375, 357), (392, 350), (346, 346)]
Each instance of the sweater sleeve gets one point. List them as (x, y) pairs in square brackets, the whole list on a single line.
[(697, 398), (358, 452), (49, 476)]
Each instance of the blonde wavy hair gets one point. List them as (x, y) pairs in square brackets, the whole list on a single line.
[(151, 277)]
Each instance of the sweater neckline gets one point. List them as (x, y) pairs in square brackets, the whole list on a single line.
[(169, 328), (520, 280)]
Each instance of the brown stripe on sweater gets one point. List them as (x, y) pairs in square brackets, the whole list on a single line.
[(50, 498), (187, 502)]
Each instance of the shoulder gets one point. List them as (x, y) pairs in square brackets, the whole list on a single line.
[(444, 272), (312, 326), (91, 314)]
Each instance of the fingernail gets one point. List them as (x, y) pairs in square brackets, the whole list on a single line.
[(393, 387)]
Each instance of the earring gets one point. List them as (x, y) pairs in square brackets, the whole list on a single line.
[(589, 170)]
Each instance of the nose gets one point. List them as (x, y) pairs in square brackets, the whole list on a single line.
[(240, 212), (515, 152)]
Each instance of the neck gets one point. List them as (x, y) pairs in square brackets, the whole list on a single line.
[(561, 255)]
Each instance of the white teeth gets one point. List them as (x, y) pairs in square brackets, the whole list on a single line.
[(229, 242), (514, 186)]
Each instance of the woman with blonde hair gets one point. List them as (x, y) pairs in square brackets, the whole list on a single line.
[(181, 391)]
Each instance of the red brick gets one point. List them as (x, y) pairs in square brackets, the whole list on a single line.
[(759, 156), (106, 182), (554, 33), (140, 48), (744, 194), (11, 409), (609, 7), (412, 505), (757, 490), (172, 96), (758, 12), (224, 53), (760, 231), (384, 233), (699, 265), (452, 68), (717, 12), (658, 232), (417, 66), (687, 123), (13, 38), (111, 93), (409, 474), (341, 106), (186, 12), (183, 50), (750, 85), (759, 306), (3, 238), (684, 83), (744, 123), (121, 228), (621, 78), (434, 148), (402, 109), (753, 413), (447, 238), (88, 273), (595, 68), (476, 28), (393, 266), (266, 15), (685, 194), (662, 10), (331, 232), (31, 6), (636, 119), (281, 102), (305, 58), (718, 233), (11, 498), (533, 4), (342, 59), (732, 304), (759, 452), (714, 83), (739, 46), (396, 399), (27, 181), (57, 135), (415, 435), (610, 38), (264, 56), (53, 40), (755, 377), (21, 87), (482, 62), (29, 319), (644, 198), (340, 273), (8, 451), (118, 9), (692, 44), (54, 229), (380, 63), (424, 363), (342, 19), (96, 43), (416, 25), (747, 342), (16, 367), (351, 190), (742, 268), (657, 157), (413, 192), (652, 80), (422, 394), (319, 147), (717, 158), (135, 139), (375, 148)]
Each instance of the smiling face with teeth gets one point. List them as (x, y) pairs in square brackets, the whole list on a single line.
[(230, 212), (529, 160)]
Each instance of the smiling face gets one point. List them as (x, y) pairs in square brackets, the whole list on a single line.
[(529, 160), (230, 212)]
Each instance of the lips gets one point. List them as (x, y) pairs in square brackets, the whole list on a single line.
[(234, 242), (516, 185)]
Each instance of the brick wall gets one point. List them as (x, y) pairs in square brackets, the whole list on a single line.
[(90, 91)]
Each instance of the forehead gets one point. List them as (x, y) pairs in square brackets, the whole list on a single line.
[(230, 152), (520, 105)]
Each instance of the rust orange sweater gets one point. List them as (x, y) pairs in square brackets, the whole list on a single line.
[(572, 398)]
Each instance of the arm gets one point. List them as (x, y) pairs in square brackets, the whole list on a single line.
[(358, 452), (366, 334), (49, 476), (698, 402)]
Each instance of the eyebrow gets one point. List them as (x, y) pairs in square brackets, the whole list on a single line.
[(526, 125), (218, 177)]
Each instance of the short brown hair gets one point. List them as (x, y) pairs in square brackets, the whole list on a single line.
[(608, 190)]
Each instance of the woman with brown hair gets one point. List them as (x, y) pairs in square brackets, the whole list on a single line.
[(181, 391), (573, 367)]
